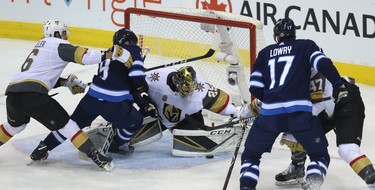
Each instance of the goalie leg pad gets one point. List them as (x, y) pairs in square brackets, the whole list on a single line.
[(190, 143), (150, 132)]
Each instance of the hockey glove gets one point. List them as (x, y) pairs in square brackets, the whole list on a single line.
[(251, 109), (75, 85), (107, 54), (120, 54), (289, 140), (340, 91), (150, 108)]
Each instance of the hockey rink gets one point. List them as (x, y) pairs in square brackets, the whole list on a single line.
[(152, 166)]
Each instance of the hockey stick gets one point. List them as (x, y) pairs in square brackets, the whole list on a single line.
[(243, 124), (147, 49), (207, 128), (209, 53), (108, 140), (225, 125)]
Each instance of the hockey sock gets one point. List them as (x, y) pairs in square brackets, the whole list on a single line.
[(249, 175), (7, 132), (364, 168), (54, 139), (4, 135), (78, 138)]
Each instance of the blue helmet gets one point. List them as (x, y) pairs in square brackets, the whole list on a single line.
[(284, 28), (124, 35)]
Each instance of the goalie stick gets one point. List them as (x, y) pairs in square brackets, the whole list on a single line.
[(225, 125), (209, 53)]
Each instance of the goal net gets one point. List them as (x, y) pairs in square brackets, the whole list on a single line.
[(220, 46)]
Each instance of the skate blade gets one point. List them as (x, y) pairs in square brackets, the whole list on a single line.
[(298, 181), (109, 167), (35, 162)]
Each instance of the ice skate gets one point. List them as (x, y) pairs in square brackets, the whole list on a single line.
[(40, 153), (293, 175), (102, 161), (124, 149), (313, 182)]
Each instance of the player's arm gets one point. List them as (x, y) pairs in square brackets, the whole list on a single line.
[(82, 55), (139, 84), (218, 101), (75, 85), (256, 80), (251, 109)]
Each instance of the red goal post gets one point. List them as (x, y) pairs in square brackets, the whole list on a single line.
[(177, 33)]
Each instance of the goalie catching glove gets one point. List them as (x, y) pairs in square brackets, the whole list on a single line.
[(75, 85), (251, 109)]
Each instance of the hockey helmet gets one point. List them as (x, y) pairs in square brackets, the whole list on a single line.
[(124, 35), (185, 80), (53, 26), (284, 28)]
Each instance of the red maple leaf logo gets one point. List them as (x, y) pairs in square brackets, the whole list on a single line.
[(214, 5)]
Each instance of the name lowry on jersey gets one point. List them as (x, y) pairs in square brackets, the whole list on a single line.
[(280, 51)]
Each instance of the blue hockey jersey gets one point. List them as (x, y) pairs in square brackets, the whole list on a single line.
[(281, 75), (115, 81)]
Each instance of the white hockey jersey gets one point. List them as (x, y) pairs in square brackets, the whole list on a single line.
[(172, 107), (44, 65), (321, 94)]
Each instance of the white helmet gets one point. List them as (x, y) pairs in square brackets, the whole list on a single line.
[(52, 26)]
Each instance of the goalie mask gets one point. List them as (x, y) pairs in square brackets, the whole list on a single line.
[(52, 26), (284, 28), (124, 35), (185, 81)]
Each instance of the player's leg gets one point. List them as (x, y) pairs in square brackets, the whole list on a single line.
[(260, 139), (295, 172), (349, 119), (126, 120), (81, 116), (16, 121), (51, 114), (308, 131)]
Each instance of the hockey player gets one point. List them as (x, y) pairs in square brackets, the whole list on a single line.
[(178, 93), (27, 92), (347, 122), (281, 80), (111, 96)]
